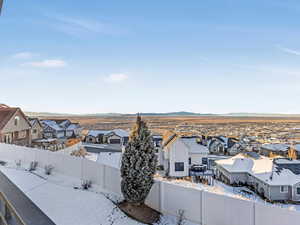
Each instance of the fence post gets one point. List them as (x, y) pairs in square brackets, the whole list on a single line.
[(161, 196), (201, 207), (254, 216)]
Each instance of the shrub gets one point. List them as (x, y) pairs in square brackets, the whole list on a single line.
[(48, 169), (33, 165)]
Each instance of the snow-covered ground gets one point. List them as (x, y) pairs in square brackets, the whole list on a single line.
[(55, 196)]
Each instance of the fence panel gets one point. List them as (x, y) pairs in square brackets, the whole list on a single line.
[(92, 171), (153, 199), (268, 215), (175, 197), (220, 209), (112, 179)]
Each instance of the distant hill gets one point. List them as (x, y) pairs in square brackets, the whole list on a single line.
[(260, 115), (181, 113)]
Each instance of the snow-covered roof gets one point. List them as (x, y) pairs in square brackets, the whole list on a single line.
[(297, 147), (276, 147), (121, 132), (95, 133), (73, 126), (52, 124), (194, 146), (46, 140), (262, 168), (287, 161)]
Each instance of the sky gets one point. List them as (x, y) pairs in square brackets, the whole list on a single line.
[(210, 56)]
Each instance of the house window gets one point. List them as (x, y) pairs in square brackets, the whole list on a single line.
[(34, 131), (17, 120), (22, 134), (179, 166), (190, 161), (298, 190), (283, 189)]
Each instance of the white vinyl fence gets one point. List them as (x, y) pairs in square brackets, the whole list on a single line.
[(200, 207)]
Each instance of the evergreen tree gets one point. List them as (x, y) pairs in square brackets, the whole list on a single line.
[(138, 164)]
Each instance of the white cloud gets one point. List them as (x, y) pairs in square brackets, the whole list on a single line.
[(80, 27), (23, 55), (116, 78), (48, 63), (290, 51)]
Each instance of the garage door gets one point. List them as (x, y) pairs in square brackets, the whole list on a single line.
[(115, 141)]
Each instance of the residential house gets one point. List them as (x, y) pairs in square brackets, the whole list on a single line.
[(275, 179), (117, 136), (279, 149), (52, 130), (96, 136), (61, 128), (157, 142), (73, 130), (180, 153), (224, 146), (70, 129), (14, 126), (36, 129)]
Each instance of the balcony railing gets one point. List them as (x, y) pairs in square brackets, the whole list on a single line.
[(8, 214)]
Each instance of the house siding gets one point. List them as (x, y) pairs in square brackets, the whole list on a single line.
[(178, 152), (14, 130)]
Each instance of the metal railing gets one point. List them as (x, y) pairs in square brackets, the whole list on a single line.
[(8, 214)]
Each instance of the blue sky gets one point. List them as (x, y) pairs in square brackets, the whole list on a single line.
[(151, 56)]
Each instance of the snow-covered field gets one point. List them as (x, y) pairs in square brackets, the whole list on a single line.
[(55, 196)]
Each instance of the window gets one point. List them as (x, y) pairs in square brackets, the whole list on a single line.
[(179, 166), (22, 134), (34, 131), (190, 161), (17, 120), (298, 190), (283, 189)]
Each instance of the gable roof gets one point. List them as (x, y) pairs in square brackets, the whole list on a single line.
[(119, 132), (34, 121), (73, 126), (193, 145), (260, 167), (95, 133), (52, 124), (6, 113)]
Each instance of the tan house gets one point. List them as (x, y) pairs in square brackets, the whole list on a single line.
[(36, 129), (14, 126)]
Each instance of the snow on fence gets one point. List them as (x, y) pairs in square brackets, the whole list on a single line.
[(200, 207)]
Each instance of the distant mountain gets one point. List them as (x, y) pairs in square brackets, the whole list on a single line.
[(181, 113), (259, 115)]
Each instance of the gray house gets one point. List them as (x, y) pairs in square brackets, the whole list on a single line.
[(117, 136), (274, 179), (221, 145), (276, 149)]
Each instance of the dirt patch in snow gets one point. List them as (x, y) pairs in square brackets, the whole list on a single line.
[(141, 213)]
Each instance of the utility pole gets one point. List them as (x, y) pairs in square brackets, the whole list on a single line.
[(1, 3)]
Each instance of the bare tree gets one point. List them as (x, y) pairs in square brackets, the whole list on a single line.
[(1, 3), (180, 217)]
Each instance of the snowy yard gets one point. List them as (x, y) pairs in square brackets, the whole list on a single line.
[(55, 195)]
